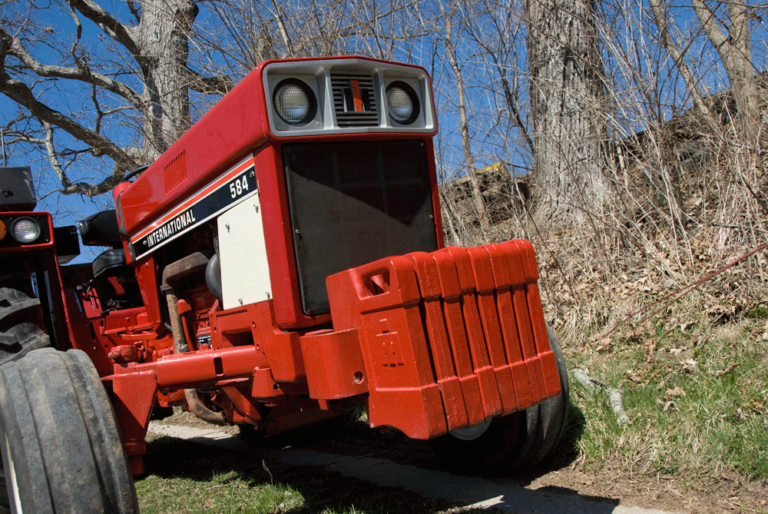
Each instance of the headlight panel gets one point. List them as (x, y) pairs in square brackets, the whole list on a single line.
[(354, 95), (24, 230)]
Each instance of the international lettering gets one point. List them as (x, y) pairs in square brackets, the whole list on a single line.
[(170, 228)]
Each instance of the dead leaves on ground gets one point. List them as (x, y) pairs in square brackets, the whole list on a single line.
[(719, 373)]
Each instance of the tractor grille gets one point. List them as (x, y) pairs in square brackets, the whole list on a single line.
[(354, 100), (353, 203)]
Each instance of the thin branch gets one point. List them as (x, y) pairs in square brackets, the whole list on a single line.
[(116, 30), (53, 158), (209, 85), (78, 29), (83, 74), (134, 11)]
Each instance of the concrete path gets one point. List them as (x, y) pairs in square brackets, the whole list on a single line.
[(469, 491)]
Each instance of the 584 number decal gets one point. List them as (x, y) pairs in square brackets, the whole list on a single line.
[(176, 223), (238, 187)]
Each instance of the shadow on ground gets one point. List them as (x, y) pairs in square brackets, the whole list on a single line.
[(346, 467), (179, 461), (350, 436)]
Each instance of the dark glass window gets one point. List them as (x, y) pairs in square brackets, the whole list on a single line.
[(354, 203)]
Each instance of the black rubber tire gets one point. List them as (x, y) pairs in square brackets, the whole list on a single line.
[(60, 442), (514, 442), (547, 421), (21, 325)]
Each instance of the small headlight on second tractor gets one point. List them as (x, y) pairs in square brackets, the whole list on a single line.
[(403, 103), (294, 102), (26, 230)]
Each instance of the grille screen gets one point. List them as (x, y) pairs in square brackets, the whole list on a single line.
[(354, 203), (354, 100)]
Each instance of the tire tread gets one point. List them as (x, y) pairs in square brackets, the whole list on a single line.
[(64, 438)]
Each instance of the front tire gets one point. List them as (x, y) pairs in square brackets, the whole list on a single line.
[(514, 442), (62, 450)]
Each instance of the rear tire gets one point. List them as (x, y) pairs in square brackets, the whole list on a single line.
[(61, 447), (513, 442), (21, 325)]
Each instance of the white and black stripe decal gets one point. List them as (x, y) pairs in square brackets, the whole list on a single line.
[(176, 223)]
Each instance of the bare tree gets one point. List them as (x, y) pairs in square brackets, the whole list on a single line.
[(132, 77), (661, 18), (566, 92), (496, 28), (461, 102)]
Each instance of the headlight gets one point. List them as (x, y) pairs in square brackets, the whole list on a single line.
[(26, 230), (403, 103), (294, 102)]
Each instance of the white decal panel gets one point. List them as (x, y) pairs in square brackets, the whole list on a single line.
[(243, 254)]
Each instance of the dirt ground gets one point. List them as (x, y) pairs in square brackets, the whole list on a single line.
[(564, 472)]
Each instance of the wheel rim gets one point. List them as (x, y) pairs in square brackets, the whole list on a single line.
[(11, 483), (473, 432)]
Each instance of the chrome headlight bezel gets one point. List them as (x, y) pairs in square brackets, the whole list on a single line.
[(20, 236), (311, 108), (408, 91)]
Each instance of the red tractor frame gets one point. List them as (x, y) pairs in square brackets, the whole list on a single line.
[(283, 258)]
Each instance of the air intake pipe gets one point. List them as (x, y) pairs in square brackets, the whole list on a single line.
[(173, 274)]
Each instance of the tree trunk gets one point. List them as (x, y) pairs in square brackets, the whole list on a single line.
[(566, 95), (736, 53), (163, 41)]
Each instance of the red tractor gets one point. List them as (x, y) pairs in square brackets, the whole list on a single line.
[(282, 259)]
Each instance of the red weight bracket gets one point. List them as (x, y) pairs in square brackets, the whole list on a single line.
[(447, 339), (334, 364), (522, 316), (526, 389), (458, 329), (482, 270), (482, 335), (550, 374), (461, 394), (384, 298), (518, 257)]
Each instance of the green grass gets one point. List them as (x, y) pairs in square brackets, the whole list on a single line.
[(233, 491), (718, 421)]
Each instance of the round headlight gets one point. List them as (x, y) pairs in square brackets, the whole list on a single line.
[(403, 103), (294, 102), (26, 230)]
